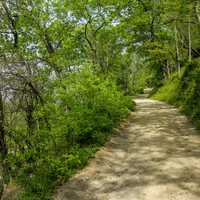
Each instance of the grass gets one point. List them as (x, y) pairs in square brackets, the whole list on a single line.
[(184, 92)]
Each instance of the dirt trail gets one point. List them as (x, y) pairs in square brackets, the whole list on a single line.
[(155, 156)]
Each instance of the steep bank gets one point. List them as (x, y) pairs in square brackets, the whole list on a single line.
[(183, 92)]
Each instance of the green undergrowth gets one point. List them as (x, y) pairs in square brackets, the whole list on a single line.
[(51, 172), (82, 113), (183, 92)]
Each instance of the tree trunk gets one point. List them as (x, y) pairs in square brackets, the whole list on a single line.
[(198, 11), (168, 69), (3, 147), (190, 41), (177, 52), (1, 187), (30, 121)]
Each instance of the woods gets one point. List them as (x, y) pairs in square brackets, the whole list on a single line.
[(68, 71)]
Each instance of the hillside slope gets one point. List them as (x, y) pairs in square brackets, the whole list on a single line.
[(183, 92)]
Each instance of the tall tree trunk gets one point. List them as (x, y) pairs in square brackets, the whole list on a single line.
[(190, 41), (3, 147), (177, 51)]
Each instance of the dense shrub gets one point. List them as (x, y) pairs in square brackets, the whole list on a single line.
[(89, 108), (82, 110)]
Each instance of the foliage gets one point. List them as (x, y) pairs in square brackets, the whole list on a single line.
[(64, 77), (82, 113), (50, 171), (67, 68), (184, 92)]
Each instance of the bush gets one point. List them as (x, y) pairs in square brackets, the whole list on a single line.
[(82, 110), (94, 107)]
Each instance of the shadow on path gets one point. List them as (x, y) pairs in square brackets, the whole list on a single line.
[(155, 156)]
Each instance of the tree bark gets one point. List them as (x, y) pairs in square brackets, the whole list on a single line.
[(189, 41), (197, 9), (177, 52), (168, 69), (3, 147)]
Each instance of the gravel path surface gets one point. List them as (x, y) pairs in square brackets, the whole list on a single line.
[(154, 156)]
